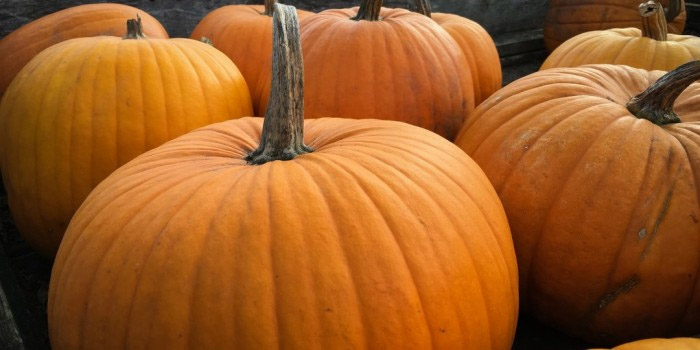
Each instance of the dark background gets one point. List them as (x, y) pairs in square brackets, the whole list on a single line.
[(179, 17)]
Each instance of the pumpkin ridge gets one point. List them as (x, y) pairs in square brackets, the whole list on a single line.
[(325, 193), (678, 132), (373, 153), (573, 165), (228, 192), (151, 248), (389, 225), (40, 218)]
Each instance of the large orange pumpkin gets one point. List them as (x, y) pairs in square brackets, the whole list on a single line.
[(244, 34), (478, 47), (650, 48), (83, 107), (377, 235), (660, 344), (568, 18), (375, 62), (23, 44), (603, 204)]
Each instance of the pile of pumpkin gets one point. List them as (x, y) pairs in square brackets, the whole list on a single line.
[(179, 222)]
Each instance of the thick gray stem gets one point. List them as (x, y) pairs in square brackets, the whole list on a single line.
[(283, 128)]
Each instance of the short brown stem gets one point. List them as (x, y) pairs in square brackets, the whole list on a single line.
[(656, 102), (369, 10), (653, 20), (673, 10), (269, 7), (134, 29), (283, 128), (423, 7)]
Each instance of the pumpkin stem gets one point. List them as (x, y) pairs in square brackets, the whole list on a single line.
[(673, 10), (656, 102), (423, 7), (283, 128), (653, 20), (369, 10), (134, 29), (269, 7)]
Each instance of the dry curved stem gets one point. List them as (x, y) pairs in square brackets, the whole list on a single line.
[(269, 7), (423, 7), (673, 10), (656, 102), (369, 10), (134, 29), (283, 128), (653, 20)]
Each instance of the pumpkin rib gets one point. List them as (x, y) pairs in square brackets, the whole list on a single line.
[(157, 239), (574, 164), (642, 185), (193, 67), (389, 228), (388, 224), (484, 298), (210, 229), (684, 311), (325, 193)]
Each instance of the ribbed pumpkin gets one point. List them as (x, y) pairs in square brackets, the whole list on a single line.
[(83, 107), (375, 62), (650, 48), (26, 42), (377, 235), (603, 204), (568, 18), (660, 344), (478, 47), (244, 34)]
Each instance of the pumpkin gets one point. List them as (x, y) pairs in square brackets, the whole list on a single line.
[(602, 199), (478, 47), (244, 34), (375, 62), (568, 18), (191, 246), (650, 48), (85, 106), (23, 44), (660, 344)]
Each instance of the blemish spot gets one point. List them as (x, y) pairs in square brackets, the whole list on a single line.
[(642, 233)]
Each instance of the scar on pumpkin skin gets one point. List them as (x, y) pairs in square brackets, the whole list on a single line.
[(659, 219), (624, 288)]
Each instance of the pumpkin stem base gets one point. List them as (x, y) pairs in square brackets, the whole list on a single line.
[(656, 102)]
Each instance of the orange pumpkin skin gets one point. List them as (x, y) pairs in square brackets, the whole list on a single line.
[(244, 34), (23, 44), (404, 67), (660, 344), (625, 46), (479, 50), (603, 206), (568, 18), (83, 107), (190, 247)]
